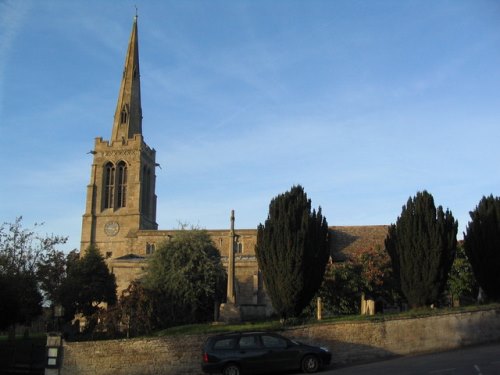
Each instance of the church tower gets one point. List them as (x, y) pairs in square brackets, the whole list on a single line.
[(121, 197)]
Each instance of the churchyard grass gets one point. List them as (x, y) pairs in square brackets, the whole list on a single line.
[(276, 325)]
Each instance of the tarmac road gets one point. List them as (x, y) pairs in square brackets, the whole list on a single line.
[(478, 360)]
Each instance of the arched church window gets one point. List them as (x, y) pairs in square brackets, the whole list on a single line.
[(109, 185), (121, 184), (238, 248)]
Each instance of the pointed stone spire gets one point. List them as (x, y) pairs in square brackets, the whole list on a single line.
[(128, 115)]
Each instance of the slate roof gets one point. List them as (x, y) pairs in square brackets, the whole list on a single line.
[(346, 240), (130, 257)]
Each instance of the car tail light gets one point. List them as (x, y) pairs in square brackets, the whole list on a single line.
[(205, 357)]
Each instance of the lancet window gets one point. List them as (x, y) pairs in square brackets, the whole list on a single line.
[(121, 180), (109, 185)]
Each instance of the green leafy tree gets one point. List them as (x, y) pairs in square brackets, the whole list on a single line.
[(23, 249), (10, 306), (341, 288), (22, 252), (367, 272), (133, 314), (51, 274), (137, 309), (375, 267), (422, 246), (461, 282), (292, 251), (88, 284), (187, 276), (482, 245), (23, 300)]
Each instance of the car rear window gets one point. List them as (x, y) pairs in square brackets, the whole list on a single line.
[(224, 343)]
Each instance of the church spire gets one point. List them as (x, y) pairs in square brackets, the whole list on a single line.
[(128, 115)]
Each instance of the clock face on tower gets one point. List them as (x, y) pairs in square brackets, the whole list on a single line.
[(111, 228)]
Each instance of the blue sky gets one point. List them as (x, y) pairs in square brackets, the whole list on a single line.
[(364, 103)]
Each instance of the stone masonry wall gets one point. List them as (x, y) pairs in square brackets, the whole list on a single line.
[(366, 341), (349, 343)]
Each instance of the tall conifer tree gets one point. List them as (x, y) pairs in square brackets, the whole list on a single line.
[(482, 245), (422, 246), (88, 283), (292, 251)]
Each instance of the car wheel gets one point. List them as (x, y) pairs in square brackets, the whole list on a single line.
[(310, 364), (231, 369)]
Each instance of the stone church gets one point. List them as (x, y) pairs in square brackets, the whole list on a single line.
[(120, 213)]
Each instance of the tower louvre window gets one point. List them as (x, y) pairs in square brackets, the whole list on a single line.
[(109, 185), (122, 185), (124, 115)]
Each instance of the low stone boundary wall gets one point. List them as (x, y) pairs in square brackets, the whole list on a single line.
[(366, 341), (349, 343)]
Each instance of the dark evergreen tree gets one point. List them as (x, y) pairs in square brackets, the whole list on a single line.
[(482, 245), (88, 284), (422, 246), (292, 251)]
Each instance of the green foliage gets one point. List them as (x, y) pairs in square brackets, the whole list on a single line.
[(133, 315), (51, 273), (23, 249), (187, 277), (482, 245), (375, 270), (461, 281), (341, 289), (422, 247), (137, 309), (88, 284), (368, 272), (22, 253), (21, 299), (292, 251), (10, 302)]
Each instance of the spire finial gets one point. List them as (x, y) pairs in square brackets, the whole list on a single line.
[(136, 15)]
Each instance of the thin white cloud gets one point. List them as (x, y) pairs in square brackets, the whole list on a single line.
[(352, 110)]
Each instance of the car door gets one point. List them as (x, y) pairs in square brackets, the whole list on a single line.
[(281, 354), (251, 353)]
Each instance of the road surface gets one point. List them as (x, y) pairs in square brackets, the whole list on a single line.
[(479, 360)]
